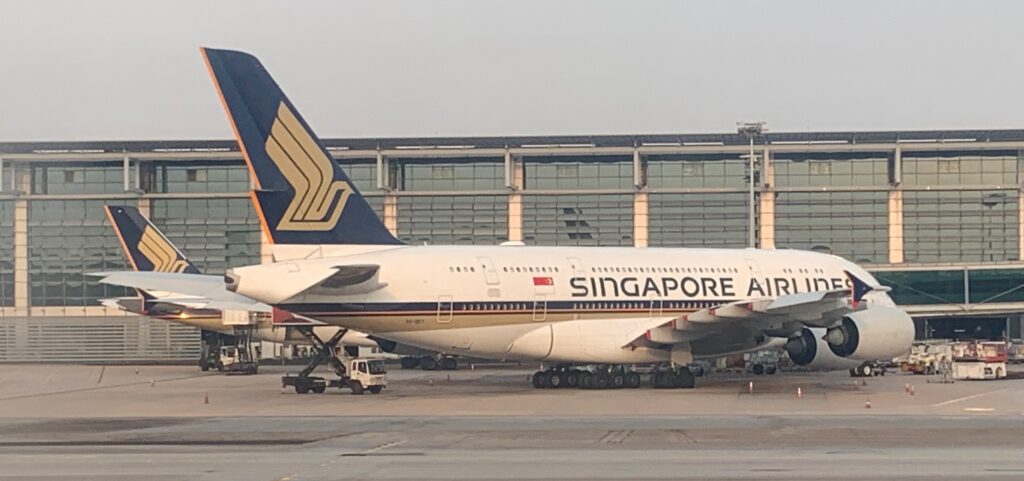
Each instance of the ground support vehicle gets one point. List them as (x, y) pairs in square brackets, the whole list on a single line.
[(979, 360), (355, 373)]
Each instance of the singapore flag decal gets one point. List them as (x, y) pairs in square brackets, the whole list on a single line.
[(544, 285)]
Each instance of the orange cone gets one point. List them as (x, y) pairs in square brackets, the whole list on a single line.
[(206, 398), (867, 404), (750, 387), (906, 388), (799, 393), (912, 390)]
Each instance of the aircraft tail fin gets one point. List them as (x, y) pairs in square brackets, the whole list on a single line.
[(303, 196), (145, 246)]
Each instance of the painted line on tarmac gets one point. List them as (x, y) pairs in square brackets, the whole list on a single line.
[(101, 388), (979, 410), (965, 398)]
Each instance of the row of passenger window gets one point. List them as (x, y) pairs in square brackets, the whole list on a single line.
[(667, 270)]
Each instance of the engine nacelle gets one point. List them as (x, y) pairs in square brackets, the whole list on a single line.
[(808, 348), (879, 332)]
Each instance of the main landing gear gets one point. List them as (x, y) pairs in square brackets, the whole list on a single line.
[(443, 362), (613, 377)]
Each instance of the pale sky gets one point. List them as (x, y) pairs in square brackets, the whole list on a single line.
[(130, 69)]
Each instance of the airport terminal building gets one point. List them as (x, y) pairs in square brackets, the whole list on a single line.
[(934, 214)]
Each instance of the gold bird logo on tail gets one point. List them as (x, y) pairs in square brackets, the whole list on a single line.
[(319, 199), (160, 252)]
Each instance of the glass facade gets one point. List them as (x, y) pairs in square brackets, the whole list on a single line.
[(696, 171), (960, 226), (198, 177), (698, 220), (854, 225), (960, 169), (581, 220), (947, 286), (215, 234), (831, 170), (79, 178), (470, 219), (6, 253), (445, 175), (66, 240), (591, 172), (363, 174)]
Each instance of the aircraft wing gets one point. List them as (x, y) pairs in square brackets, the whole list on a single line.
[(185, 287), (814, 309), (327, 281)]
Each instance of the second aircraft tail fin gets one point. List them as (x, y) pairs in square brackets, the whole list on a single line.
[(146, 247)]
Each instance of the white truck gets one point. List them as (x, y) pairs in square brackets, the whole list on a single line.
[(357, 374), (979, 360)]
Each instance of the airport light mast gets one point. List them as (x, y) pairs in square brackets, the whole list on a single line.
[(751, 130)]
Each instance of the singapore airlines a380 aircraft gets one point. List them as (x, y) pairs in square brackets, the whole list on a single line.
[(613, 307)]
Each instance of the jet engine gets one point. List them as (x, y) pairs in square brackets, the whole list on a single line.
[(879, 332), (807, 348)]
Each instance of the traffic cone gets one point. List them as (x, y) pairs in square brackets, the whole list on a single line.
[(912, 390), (750, 387), (867, 404), (206, 398), (799, 393), (152, 383), (906, 388)]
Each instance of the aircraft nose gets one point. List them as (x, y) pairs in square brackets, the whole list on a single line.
[(231, 280)]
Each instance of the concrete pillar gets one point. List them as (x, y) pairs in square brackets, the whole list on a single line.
[(641, 221), (145, 206), (391, 213), (896, 254), (23, 183), (515, 199), (1020, 230), (766, 216)]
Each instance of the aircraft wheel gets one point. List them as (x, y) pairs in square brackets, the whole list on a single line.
[(409, 362), (866, 370), (617, 380), (770, 370), (758, 369), (587, 380), (632, 380), (449, 364), (428, 363), (660, 378), (601, 380), (540, 381), (572, 378), (555, 379), (685, 379)]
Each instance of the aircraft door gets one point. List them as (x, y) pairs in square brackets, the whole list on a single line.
[(540, 310), (753, 268), (577, 267), (490, 272), (444, 309), (657, 308)]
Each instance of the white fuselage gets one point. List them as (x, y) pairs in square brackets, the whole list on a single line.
[(478, 300)]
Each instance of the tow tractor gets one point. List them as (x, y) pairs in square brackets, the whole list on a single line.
[(357, 374)]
